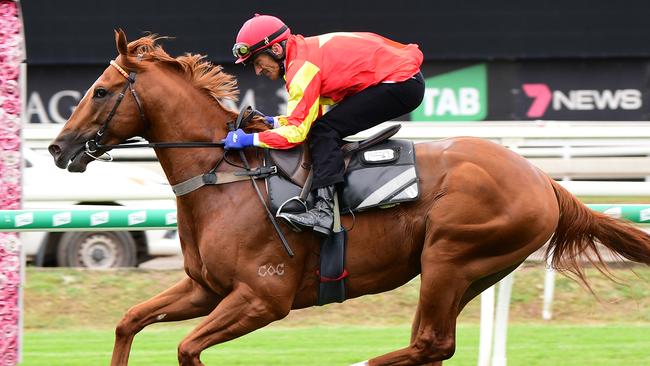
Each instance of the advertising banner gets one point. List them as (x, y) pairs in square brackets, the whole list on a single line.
[(587, 90), (54, 91), (457, 95), (580, 90)]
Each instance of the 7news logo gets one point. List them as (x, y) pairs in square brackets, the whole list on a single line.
[(580, 99)]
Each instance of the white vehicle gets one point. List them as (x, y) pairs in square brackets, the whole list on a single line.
[(108, 184)]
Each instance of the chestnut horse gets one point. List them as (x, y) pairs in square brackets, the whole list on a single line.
[(482, 211)]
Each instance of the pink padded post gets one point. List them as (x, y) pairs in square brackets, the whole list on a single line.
[(11, 57)]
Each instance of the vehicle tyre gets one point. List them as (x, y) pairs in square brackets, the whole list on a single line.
[(97, 249)]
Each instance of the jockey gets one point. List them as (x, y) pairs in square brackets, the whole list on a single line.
[(368, 79)]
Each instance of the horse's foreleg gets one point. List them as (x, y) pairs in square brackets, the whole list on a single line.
[(185, 300), (241, 312)]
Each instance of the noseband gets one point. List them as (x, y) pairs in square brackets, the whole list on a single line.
[(93, 145)]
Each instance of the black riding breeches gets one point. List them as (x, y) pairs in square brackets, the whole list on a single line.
[(356, 113)]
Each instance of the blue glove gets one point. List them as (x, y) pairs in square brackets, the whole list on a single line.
[(238, 139), (269, 121)]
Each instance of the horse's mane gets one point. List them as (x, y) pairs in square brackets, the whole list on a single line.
[(199, 72)]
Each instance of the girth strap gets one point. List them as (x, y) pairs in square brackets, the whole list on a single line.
[(214, 178)]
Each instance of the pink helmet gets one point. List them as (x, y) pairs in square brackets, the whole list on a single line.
[(258, 33)]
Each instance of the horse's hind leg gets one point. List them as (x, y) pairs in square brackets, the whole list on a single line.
[(473, 290), (442, 287), (484, 283), (414, 332), (185, 300)]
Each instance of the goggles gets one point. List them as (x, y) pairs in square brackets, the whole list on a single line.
[(241, 50), (244, 50)]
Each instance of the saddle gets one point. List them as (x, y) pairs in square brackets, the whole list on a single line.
[(379, 172), (295, 163)]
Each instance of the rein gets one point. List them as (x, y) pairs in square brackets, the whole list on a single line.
[(212, 177)]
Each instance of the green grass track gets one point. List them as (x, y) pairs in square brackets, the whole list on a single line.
[(530, 345)]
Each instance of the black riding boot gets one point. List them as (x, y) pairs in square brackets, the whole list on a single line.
[(321, 217)]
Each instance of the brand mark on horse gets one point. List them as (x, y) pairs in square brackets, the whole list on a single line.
[(271, 270)]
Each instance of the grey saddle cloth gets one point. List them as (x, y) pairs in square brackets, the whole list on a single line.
[(383, 174)]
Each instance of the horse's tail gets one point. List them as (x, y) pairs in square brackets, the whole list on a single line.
[(580, 229)]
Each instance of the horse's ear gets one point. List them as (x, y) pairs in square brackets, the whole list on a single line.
[(120, 42)]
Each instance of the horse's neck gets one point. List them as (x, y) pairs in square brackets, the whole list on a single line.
[(187, 118)]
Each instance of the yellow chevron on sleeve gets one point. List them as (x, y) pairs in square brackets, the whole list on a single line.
[(283, 120), (297, 134), (299, 84)]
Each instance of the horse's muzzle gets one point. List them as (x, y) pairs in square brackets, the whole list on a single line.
[(69, 156)]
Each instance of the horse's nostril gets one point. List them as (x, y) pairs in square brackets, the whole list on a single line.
[(55, 150)]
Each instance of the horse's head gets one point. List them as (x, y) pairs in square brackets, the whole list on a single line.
[(146, 92), (106, 114)]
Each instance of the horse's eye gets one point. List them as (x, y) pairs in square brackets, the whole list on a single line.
[(100, 93)]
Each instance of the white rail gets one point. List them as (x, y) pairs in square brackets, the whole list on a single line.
[(576, 150), (512, 134), (607, 189)]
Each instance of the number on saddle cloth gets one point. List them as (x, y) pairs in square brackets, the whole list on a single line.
[(380, 173)]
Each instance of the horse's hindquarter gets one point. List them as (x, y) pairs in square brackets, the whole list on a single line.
[(484, 201), (477, 200)]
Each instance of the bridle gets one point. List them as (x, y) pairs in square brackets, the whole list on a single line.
[(210, 178), (92, 146)]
